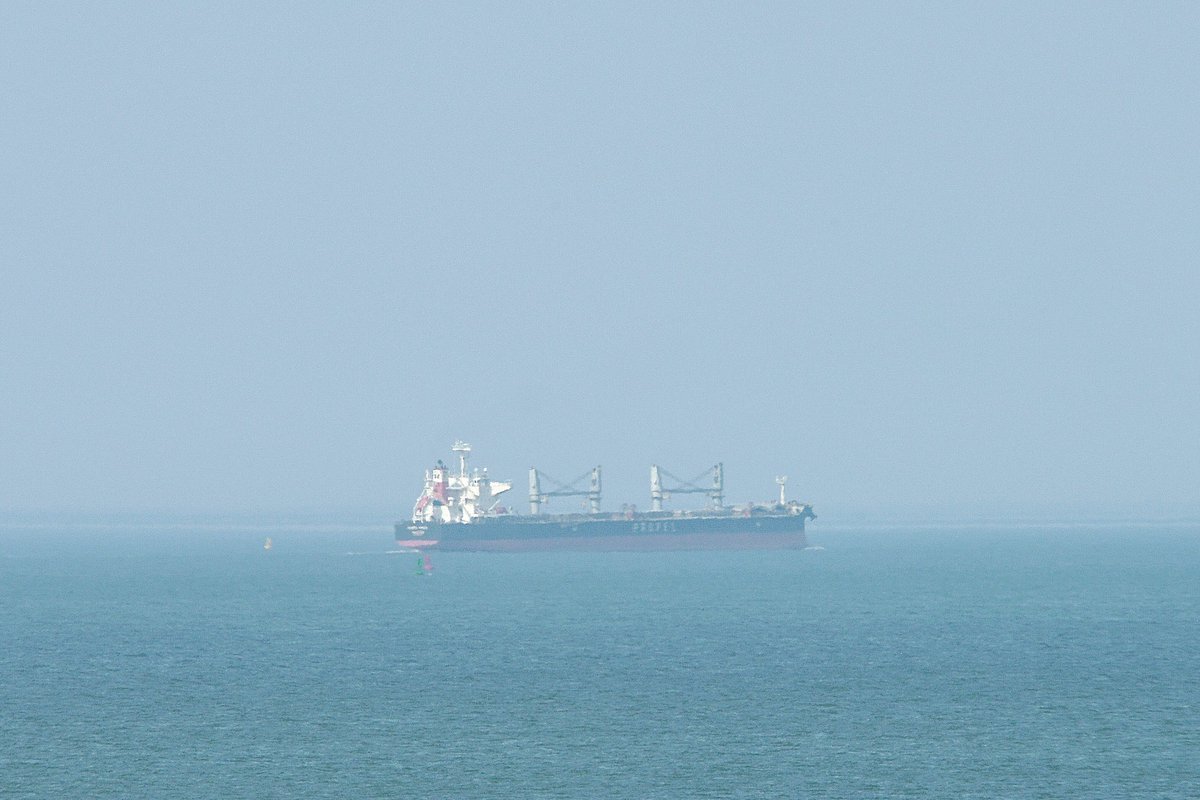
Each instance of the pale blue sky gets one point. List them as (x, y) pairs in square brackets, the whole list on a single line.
[(279, 257)]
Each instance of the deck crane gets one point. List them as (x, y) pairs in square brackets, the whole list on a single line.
[(715, 489), (537, 497)]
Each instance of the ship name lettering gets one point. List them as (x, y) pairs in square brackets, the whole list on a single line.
[(653, 527)]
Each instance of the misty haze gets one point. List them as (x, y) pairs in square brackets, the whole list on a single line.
[(599, 400)]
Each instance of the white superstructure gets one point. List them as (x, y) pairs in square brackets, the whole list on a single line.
[(458, 498)]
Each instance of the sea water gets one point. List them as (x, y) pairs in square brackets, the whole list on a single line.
[(956, 662)]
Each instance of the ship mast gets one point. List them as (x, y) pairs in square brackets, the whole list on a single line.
[(464, 450)]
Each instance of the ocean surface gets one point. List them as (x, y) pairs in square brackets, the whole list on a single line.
[(178, 661)]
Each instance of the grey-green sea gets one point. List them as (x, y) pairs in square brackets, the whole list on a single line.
[(985, 661)]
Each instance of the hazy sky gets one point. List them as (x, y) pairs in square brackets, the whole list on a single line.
[(279, 257)]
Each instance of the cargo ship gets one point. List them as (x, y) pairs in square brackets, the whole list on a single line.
[(462, 510)]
